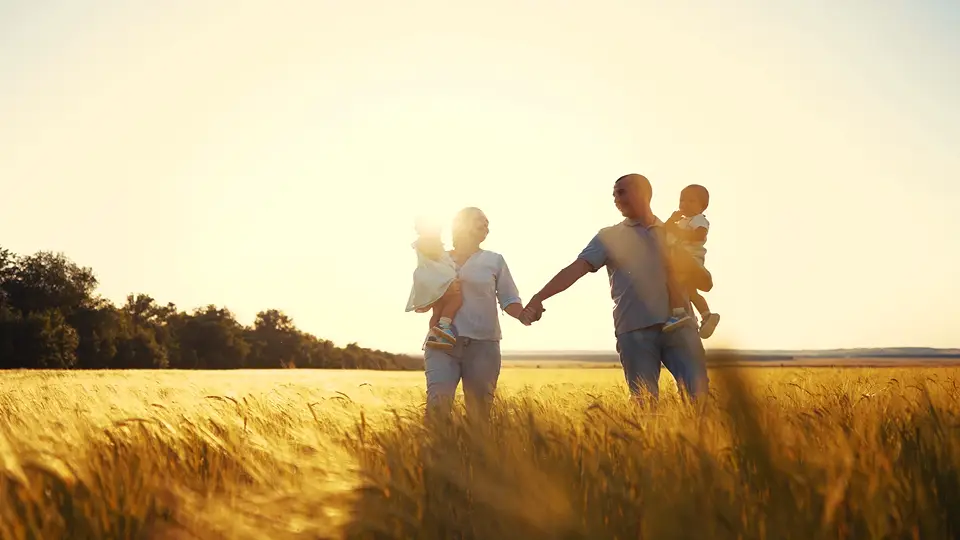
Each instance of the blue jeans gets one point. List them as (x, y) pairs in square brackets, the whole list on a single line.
[(681, 352), (477, 363)]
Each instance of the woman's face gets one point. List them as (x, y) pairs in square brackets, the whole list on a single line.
[(474, 227)]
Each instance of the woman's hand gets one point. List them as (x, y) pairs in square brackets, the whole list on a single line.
[(516, 311), (532, 312)]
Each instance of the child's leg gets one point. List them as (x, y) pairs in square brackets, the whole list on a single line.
[(436, 313), (452, 300), (444, 310), (438, 338), (708, 321), (675, 295), (675, 289), (698, 302)]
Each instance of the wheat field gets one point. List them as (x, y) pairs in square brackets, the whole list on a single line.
[(773, 453)]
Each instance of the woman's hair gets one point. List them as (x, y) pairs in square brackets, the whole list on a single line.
[(464, 221)]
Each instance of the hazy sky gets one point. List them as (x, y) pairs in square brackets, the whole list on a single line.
[(274, 154)]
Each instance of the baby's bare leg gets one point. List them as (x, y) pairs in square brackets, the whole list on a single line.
[(698, 301), (708, 320), (448, 305), (452, 301), (435, 314)]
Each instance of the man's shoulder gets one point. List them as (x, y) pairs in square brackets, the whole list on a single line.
[(613, 229), (626, 226)]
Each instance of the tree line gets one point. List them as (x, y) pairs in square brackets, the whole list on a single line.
[(52, 318)]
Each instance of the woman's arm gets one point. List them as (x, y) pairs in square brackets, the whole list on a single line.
[(507, 294), (515, 310)]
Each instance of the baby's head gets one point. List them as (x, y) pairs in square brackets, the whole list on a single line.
[(427, 227), (694, 200), (428, 238)]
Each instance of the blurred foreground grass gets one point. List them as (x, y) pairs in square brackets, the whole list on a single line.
[(776, 453)]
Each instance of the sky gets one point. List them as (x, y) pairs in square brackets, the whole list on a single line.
[(261, 155)]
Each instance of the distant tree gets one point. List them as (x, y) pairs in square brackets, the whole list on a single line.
[(144, 311), (99, 327), (8, 269), (211, 338), (10, 326), (275, 342), (48, 281), (44, 340), (34, 292), (140, 350), (318, 353), (147, 338), (50, 317)]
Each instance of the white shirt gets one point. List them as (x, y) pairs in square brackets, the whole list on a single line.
[(696, 248), (485, 282)]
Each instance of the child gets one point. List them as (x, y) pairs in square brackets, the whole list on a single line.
[(687, 228), (435, 287)]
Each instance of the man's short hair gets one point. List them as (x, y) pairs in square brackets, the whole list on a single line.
[(700, 193), (639, 182)]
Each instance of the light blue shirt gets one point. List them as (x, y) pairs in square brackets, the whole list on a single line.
[(634, 257), (485, 282)]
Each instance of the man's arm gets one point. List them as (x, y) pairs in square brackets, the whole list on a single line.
[(696, 274), (592, 258), (561, 282)]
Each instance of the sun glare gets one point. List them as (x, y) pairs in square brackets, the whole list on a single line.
[(435, 218)]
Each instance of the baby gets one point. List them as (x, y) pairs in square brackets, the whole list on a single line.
[(435, 287), (687, 233)]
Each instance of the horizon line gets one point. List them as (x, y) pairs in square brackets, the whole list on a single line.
[(612, 352)]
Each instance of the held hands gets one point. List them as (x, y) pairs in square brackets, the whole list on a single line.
[(532, 312)]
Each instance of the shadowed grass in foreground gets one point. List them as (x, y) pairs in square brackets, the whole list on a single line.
[(773, 454)]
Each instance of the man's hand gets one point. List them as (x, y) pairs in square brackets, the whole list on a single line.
[(532, 312)]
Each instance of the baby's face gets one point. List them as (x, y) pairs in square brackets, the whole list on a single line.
[(689, 204)]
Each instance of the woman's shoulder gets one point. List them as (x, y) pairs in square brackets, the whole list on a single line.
[(493, 258)]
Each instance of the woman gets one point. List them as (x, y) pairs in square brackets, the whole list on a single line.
[(484, 281)]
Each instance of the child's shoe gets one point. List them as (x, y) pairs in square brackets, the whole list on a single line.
[(709, 324), (433, 342), (678, 318), (442, 336), (445, 330)]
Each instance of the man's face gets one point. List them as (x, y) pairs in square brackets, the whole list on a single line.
[(628, 198)]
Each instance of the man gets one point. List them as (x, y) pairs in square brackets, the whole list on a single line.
[(635, 257)]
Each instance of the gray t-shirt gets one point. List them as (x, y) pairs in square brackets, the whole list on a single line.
[(634, 257)]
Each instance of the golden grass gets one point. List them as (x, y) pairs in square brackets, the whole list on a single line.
[(774, 453)]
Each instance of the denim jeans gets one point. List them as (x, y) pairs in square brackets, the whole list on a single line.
[(681, 352), (476, 362)]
